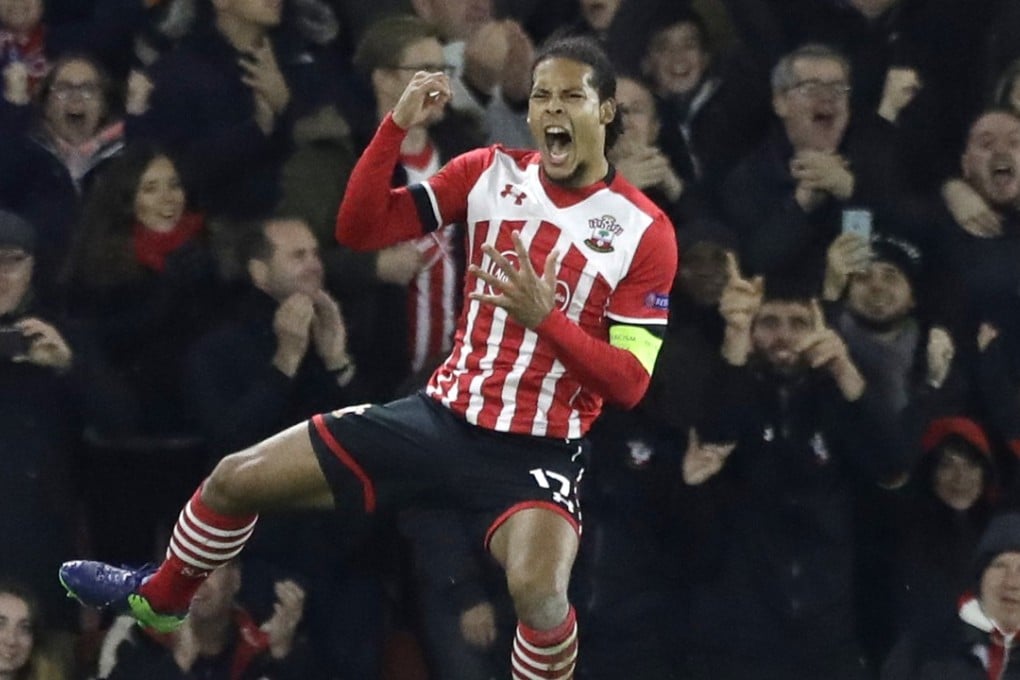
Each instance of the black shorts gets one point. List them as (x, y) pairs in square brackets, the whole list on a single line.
[(415, 451)]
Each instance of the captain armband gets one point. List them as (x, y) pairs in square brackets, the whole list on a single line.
[(637, 340)]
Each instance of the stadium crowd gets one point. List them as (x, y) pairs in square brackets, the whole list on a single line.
[(821, 482)]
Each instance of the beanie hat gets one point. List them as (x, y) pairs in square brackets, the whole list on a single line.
[(900, 253), (15, 232), (1001, 536)]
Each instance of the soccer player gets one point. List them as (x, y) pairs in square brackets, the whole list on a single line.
[(567, 298)]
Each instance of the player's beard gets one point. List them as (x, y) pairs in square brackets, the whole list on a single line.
[(571, 180)]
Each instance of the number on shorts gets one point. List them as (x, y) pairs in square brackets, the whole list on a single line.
[(357, 410), (562, 495)]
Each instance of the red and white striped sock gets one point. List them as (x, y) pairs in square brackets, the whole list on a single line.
[(202, 540), (545, 654)]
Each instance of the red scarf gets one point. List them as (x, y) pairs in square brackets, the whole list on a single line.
[(153, 247)]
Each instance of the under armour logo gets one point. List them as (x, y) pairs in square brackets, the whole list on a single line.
[(519, 196)]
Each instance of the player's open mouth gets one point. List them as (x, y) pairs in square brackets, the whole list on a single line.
[(558, 142)]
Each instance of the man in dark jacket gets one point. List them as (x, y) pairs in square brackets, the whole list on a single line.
[(788, 199), (282, 359), (779, 603)]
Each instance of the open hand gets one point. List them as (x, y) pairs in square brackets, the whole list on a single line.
[(329, 332), (287, 613), (703, 461), (478, 625), (263, 76), (526, 297), (823, 172), (47, 346), (848, 254), (940, 355)]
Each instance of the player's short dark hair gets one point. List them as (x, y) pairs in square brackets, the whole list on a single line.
[(587, 50)]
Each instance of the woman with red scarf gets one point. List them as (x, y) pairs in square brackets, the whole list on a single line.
[(141, 273), (142, 278)]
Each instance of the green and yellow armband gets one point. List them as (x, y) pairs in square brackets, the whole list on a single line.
[(637, 340)]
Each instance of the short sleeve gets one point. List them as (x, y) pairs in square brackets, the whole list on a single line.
[(642, 297), (443, 198)]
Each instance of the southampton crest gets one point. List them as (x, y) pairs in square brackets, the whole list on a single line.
[(603, 230)]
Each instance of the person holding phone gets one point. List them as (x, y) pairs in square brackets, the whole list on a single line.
[(36, 381)]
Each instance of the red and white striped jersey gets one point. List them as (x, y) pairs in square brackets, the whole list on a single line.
[(617, 262)]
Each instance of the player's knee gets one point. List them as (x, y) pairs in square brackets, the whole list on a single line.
[(540, 596), (224, 489)]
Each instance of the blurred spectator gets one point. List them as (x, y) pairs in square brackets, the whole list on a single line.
[(781, 503), (940, 518), (1007, 89), (982, 226), (43, 371), (141, 274), (491, 65), (714, 104), (33, 33), (690, 351), (22, 40), (465, 615), (998, 382), (219, 640), (422, 277), (53, 151), (22, 656), (943, 44), (787, 200), (282, 357), (977, 644), (226, 100), (637, 154), (875, 286)]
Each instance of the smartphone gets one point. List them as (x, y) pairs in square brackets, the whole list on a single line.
[(857, 221), (12, 342)]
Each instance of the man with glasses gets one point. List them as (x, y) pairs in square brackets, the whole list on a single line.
[(491, 60), (416, 282), (791, 197)]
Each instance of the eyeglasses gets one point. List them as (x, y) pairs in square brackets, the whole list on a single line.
[(448, 69), (816, 89), (64, 91)]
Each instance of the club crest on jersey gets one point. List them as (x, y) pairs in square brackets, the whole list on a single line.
[(603, 230)]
